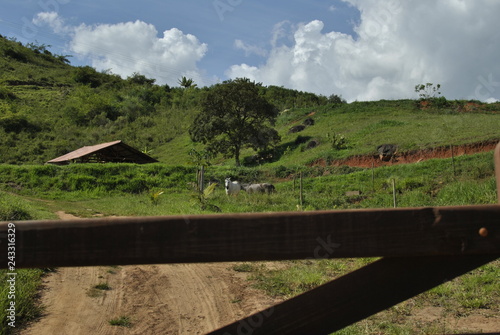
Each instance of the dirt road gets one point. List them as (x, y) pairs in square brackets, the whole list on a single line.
[(158, 299)]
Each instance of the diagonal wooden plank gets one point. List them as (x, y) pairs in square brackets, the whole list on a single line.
[(251, 237), (356, 295)]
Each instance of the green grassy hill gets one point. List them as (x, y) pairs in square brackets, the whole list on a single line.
[(365, 125), (48, 108)]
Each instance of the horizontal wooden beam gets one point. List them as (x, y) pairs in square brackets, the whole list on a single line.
[(355, 296), (466, 230)]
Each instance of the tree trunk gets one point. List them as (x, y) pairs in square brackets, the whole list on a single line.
[(237, 156)]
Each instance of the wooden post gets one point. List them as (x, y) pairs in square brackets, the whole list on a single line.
[(373, 177), (301, 196), (201, 184), (497, 169), (453, 160), (394, 192)]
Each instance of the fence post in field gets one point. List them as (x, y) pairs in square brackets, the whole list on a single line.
[(301, 196), (373, 177), (497, 169), (394, 192), (202, 178), (453, 160)]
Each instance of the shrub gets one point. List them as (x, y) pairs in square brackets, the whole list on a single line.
[(16, 54), (88, 76), (339, 141), (283, 171)]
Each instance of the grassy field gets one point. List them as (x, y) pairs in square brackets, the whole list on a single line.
[(115, 189), (36, 192)]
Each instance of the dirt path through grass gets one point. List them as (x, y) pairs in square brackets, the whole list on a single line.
[(156, 299)]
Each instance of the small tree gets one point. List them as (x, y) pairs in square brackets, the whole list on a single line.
[(235, 116), (428, 91), (336, 99), (429, 96)]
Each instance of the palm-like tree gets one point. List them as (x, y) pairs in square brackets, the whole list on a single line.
[(186, 83)]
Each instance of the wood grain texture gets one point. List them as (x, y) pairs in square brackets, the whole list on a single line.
[(252, 237)]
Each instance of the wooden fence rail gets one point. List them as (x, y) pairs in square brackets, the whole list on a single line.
[(445, 231), (421, 248)]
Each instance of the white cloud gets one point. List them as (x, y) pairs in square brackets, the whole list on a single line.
[(125, 48), (282, 31), (53, 20), (400, 44), (250, 49)]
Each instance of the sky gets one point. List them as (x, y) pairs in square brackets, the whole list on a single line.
[(362, 50)]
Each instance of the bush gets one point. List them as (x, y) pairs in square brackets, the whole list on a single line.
[(88, 76), (16, 54), (440, 102), (283, 171), (339, 141)]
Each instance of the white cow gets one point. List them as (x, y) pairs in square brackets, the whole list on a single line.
[(260, 188), (232, 187)]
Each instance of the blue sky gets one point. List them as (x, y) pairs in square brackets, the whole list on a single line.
[(360, 49)]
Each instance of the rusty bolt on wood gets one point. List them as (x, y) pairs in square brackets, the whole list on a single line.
[(483, 232)]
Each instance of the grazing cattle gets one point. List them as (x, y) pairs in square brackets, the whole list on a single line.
[(232, 187), (387, 151), (260, 188)]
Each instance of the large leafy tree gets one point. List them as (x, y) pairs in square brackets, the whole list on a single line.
[(235, 116)]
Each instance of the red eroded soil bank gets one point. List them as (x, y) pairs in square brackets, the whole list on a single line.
[(413, 156)]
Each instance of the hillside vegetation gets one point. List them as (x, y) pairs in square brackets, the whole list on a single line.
[(48, 108)]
